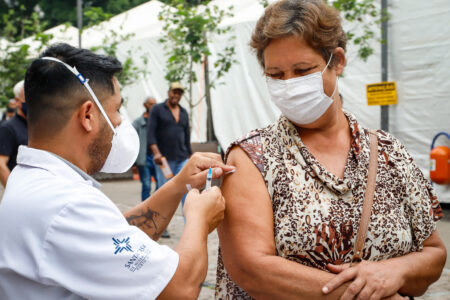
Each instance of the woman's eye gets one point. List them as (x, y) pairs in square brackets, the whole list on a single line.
[(302, 71), (276, 75)]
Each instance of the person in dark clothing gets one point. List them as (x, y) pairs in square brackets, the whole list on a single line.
[(10, 111), (144, 161), (13, 133), (169, 133)]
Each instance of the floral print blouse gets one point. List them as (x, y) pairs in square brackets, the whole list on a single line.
[(316, 214)]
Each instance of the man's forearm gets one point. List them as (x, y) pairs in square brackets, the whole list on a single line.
[(154, 214), (4, 174), (193, 252), (193, 264), (155, 149)]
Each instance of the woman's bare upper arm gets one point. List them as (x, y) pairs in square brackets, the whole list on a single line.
[(247, 230), (434, 240)]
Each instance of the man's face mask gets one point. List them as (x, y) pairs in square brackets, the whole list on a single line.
[(125, 141)]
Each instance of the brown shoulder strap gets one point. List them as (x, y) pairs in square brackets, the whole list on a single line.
[(368, 198)]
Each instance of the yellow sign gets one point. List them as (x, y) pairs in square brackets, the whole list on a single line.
[(383, 93)]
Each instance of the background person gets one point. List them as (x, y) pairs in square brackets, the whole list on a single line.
[(169, 133), (8, 115), (295, 201), (60, 236), (13, 133), (144, 161), (10, 110)]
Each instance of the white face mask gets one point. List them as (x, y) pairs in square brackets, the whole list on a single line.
[(302, 99), (125, 141)]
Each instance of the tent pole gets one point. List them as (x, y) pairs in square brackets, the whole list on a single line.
[(79, 20), (210, 135), (384, 62)]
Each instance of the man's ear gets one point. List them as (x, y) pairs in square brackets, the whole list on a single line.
[(86, 115)]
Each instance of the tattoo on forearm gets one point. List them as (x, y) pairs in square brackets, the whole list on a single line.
[(147, 221)]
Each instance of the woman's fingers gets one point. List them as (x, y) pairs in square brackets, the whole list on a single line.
[(336, 269), (366, 293), (353, 289), (339, 280)]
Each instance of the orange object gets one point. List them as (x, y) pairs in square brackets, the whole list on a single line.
[(440, 165), (136, 176)]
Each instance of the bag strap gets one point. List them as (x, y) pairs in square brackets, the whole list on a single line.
[(368, 198)]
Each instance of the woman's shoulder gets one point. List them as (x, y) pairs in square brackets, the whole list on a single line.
[(390, 147), (251, 144), (390, 144)]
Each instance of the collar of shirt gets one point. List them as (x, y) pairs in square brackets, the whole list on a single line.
[(54, 164), (355, 134), (142, 121), (166, 105)]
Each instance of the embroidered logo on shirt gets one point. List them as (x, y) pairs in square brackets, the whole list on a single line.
[(122, 245)]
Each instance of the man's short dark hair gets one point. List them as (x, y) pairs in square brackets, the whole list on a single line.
[(53, 92)]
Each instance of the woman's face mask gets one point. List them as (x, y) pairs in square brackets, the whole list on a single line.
[(302, 99), (125, 141)]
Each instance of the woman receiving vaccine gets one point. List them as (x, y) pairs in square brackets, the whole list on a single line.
[(294, 204)]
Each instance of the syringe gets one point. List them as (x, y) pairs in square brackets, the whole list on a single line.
[(208, 180)]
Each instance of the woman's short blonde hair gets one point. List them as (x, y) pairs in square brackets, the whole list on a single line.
[(318, 23)]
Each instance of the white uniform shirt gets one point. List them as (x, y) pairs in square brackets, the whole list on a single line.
[(62, 238)]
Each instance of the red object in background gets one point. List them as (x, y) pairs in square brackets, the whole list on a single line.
[(440, 165), (136, 176)]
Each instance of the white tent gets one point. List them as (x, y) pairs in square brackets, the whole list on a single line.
[(419, 62), (60, 34)]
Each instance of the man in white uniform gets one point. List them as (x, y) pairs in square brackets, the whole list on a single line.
[(60, 236)]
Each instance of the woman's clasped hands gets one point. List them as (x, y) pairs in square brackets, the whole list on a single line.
[(368, 280)]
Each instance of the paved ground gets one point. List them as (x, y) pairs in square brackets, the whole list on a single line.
[(126, 194)]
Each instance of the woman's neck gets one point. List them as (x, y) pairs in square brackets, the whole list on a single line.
[(329, 126)]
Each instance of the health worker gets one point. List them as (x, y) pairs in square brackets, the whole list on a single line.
[(60, 236)]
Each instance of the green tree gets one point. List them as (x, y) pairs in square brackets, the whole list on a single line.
[(15, 57), (189, 2), (366, 15), (55, 12), (188, 29)]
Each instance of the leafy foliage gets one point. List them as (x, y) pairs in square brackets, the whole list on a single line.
[(364, 13), (59, 12), (188, 30), (15, 57)]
